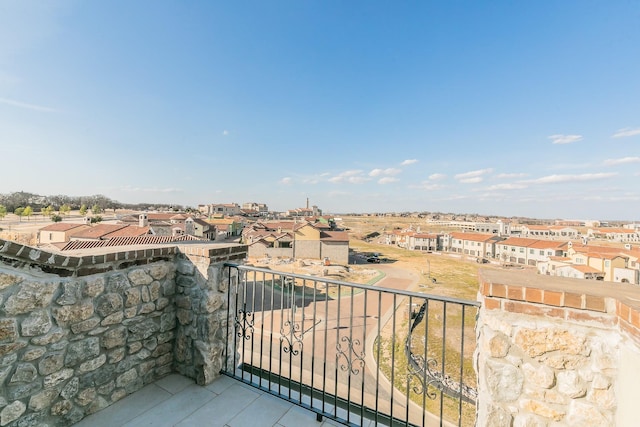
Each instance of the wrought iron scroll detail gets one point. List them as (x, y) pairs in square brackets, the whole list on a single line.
[(291, 335), (244, 324), (352, 360), (425, 373)]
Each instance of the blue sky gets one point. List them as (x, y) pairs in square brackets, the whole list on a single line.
[(498, 108)]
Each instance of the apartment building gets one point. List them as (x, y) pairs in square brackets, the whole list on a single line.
[(472, 244)]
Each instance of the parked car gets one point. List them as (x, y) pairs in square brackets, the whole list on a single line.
[(373, 259)]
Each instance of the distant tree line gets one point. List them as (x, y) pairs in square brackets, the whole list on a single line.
[(62, 204)]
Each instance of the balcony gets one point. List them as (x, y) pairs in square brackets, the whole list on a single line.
[(308, 351), (178, 332)]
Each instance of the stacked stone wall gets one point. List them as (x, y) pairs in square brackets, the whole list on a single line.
[(549, 357), (79, 333)]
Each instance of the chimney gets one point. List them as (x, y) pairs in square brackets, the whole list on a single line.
[(143, 220), (307, 203)]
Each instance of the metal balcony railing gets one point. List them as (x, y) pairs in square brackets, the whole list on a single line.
[(351, 352)]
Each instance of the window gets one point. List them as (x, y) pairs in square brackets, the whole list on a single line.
[(531, 251), (607, 263), (541, 252), (521, 250)]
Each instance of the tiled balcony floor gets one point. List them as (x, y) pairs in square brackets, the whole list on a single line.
[(177, 401)]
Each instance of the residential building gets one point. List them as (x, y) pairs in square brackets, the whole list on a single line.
[(226, 227), (550, 232), (472, 244), (58, 232), (615, 234), (424, 242), (220, 209), (291, 239), (514, 250), (260, 208)]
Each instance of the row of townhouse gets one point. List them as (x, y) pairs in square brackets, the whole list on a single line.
[(595, 262), (615, 234), (550, 257)]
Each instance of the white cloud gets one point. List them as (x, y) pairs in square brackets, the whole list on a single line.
[(225, 132), (621, 161), (388, 171), (511, 175), (409, 162), (473, 177), (437, 176), (626, 132), (427, 185), (387, 180), (474, 180), (286, 180), (564, 139), (552, 179), (350, 176), (27, 106), (506, 187)]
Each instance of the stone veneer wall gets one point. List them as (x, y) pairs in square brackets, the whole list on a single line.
[(79, 333), (559, 352)]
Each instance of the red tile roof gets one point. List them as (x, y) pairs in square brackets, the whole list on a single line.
[(61, 226), (334, 236), (97, 231)]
